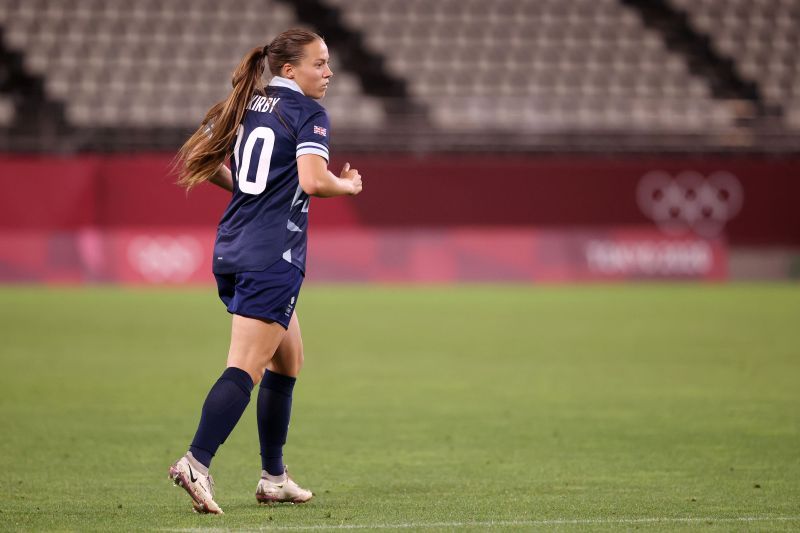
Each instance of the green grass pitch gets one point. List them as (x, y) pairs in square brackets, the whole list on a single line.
[(465, 408)]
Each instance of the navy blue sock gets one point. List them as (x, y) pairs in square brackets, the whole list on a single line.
[(274, 410), (224, 405)]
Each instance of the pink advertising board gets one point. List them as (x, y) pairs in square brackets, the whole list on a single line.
[(183, 255)]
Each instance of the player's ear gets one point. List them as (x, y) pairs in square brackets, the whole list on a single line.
[(287, 71)]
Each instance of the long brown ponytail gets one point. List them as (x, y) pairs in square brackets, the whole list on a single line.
[(200, 156)]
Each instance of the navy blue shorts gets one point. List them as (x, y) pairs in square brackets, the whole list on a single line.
[(270, 294)]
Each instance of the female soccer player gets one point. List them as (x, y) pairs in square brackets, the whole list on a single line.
[(278, 138)]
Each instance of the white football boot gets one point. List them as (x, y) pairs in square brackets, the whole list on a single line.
[(275, 489), (199, 486)]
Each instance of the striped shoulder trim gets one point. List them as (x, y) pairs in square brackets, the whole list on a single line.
[(312, 145), (313, 148)]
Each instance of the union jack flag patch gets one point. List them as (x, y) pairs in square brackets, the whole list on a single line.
[(319, 130)]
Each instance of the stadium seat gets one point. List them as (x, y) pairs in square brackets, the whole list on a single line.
[(761, 37), (152, 63), (558, 63), (471, 67)]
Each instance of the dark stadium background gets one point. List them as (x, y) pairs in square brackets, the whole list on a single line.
[(507, 140)]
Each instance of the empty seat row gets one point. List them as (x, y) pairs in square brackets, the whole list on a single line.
[(118, 63)]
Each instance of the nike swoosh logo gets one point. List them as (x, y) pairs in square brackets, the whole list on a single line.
[(191, 474)]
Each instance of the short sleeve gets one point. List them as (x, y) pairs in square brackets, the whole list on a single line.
[(313, 136)]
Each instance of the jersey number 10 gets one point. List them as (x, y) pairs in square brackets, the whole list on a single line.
[(262, 167)]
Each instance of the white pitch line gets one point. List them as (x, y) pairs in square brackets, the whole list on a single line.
[(503, 523)]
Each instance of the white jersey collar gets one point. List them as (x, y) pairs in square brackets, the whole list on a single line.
[(278, 81)]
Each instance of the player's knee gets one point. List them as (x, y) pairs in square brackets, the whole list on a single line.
[(294, 362), (256, 372)]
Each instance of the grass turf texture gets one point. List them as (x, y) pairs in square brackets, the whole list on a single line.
[(575, 408)]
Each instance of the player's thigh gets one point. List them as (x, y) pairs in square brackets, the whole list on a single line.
[(288, 358), (253, 343)]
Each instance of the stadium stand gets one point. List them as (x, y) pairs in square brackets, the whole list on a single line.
[(124, 64), (763, 36), (537, 66), (521, 75)]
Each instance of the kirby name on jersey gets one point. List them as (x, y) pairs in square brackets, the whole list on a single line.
[(263, 104)]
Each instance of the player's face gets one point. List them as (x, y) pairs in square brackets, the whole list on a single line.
[(313, 73)]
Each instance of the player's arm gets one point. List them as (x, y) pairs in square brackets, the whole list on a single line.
[(223, 178), (317, 180)]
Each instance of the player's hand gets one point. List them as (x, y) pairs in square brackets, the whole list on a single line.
[(351, 175)]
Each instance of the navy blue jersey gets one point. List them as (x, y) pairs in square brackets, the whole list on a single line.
[(267, 218)]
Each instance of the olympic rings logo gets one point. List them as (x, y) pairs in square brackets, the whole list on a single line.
[(164, 258), (690, 201)]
